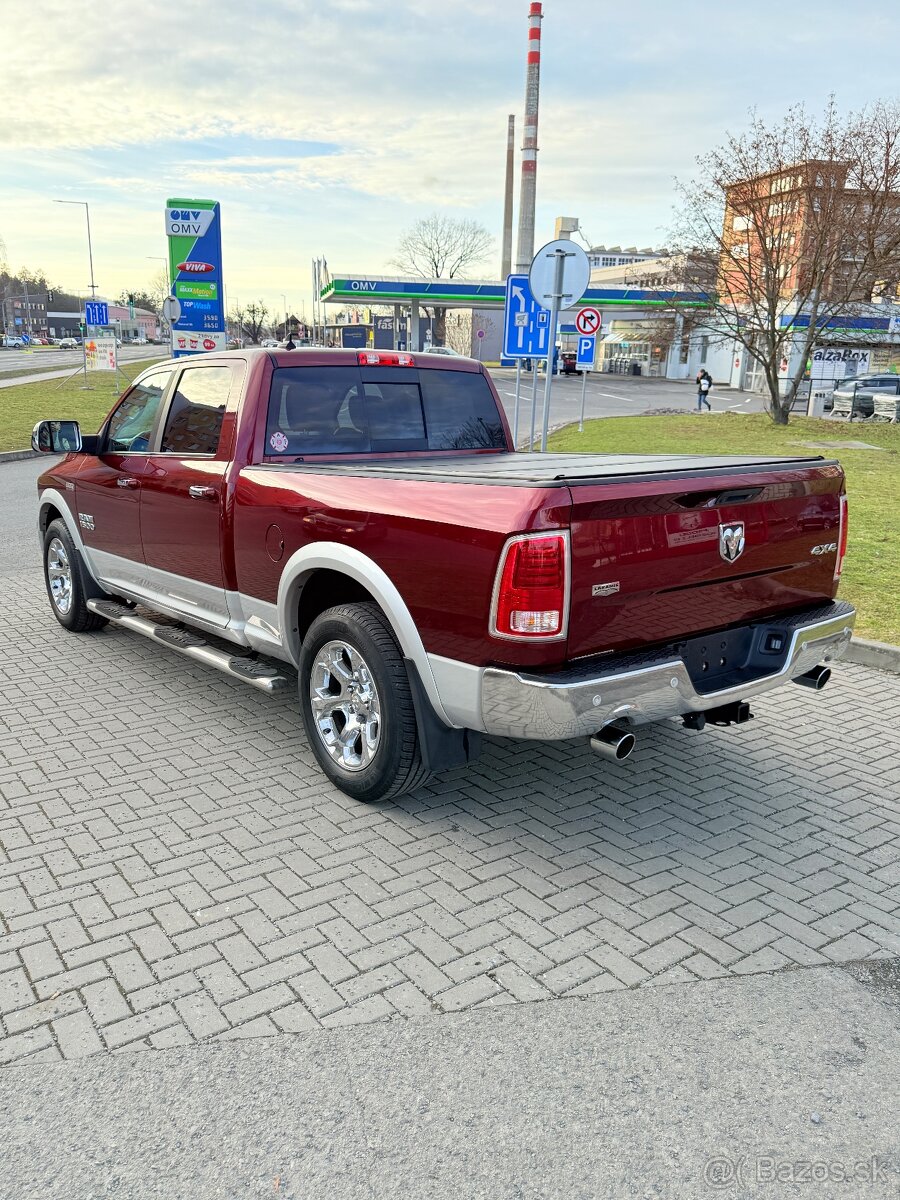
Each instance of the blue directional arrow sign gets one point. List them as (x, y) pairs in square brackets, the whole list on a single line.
[(96, 312), (526, 325), (585, 355)]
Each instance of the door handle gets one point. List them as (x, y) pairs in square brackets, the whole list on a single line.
[(198, 492), (127, 481)]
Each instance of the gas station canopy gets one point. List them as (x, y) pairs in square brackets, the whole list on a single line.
[(478, 293)]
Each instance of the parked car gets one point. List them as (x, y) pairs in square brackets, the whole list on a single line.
[(856, 397), (363, 516), (444, 350), (67, 343), (568, 362), (271, 342), (12, 342)]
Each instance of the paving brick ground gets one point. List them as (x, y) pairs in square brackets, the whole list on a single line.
[(173, 867)]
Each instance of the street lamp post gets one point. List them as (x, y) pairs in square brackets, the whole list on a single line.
[(284, 302), (159, 258), (87, 213)]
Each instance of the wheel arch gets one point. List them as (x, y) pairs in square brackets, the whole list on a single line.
[(306, 565)]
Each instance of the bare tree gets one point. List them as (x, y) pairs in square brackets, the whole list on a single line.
[(439, 247), (254, 319), (459, 331), (803, 218)]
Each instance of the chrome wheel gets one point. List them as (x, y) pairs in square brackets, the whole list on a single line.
[(59, 576), (345, 705)]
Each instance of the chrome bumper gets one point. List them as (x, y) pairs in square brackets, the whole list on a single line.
[(639, 688)]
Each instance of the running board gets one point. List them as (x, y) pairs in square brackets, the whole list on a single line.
[(193, 645)]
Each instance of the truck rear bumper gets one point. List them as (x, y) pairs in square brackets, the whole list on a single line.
[(637, 688)]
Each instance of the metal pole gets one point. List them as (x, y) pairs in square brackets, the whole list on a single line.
[(516, 411), (554, 317), (534, 367), (87, 213), (584, 376)]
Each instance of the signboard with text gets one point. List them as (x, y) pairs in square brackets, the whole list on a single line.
[(100, 353), (194, 232)]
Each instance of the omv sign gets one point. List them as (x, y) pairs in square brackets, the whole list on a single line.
[(188, 222)]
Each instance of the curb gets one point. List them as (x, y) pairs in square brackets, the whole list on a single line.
[(17, 455), (879, 655)]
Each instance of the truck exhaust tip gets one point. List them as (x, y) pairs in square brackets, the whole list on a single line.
[(815, 679), (613, 742)]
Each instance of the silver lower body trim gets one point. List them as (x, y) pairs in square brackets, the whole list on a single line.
[(636, 690)]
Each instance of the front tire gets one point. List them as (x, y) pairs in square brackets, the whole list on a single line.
[(357, 705), (64, 580)]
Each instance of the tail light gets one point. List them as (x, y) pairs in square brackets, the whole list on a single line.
[(842, 538), (385, 358), (531, 591)]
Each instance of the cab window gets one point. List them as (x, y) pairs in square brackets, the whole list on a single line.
[(131, 424), (195, 416)]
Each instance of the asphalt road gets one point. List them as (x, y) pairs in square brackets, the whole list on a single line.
[(607, 396), (13, 362), (220, 978)]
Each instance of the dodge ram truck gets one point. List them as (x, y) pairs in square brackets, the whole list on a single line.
[(364, 517)]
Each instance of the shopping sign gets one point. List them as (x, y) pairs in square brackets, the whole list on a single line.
[(194, 232)]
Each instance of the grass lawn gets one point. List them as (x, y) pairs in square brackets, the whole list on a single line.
[(22, 406), (871, 577)]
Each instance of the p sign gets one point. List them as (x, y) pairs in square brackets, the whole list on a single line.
[(585, 356), (588, 321)]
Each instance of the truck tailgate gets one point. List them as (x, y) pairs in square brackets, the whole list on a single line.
[(661, 558)]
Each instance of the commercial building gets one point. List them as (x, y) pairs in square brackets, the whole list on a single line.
[(26, 313)]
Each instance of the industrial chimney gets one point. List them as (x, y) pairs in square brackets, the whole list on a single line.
[(525, 248), (506, 250)]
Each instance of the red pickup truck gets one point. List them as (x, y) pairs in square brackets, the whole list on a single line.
[(363, 517)]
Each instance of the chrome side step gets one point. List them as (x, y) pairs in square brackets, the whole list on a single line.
[(193, 645)]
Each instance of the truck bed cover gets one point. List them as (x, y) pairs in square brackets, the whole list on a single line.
[(550, 470)]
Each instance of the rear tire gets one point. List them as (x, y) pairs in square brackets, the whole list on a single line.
[(357, 705), (65, 581)]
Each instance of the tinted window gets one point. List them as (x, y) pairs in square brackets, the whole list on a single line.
[(132, 422), (334, 410), (460, 411), (196, 412)]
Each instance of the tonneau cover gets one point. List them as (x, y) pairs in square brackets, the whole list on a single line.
[(547, 470)]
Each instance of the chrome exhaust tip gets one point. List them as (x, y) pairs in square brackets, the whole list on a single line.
[(613, 742), (815, 679)]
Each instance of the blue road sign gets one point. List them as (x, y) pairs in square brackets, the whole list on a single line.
[(96, 312), (585, 356), (526, 326)]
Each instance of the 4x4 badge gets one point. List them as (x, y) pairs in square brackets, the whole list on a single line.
[(731, 540)]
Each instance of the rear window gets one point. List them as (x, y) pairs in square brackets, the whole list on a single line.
[(348, 410)]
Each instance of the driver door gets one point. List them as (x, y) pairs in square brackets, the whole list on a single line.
[(108, 487)]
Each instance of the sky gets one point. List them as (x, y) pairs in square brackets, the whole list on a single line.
[(328, 128)]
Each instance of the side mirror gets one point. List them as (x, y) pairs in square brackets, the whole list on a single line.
[(56, 437)]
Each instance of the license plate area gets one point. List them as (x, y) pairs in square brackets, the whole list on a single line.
[(734, 656)]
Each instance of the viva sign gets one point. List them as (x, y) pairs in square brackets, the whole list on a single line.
[(193, 228)]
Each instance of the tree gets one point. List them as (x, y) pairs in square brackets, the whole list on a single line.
[(802, 217), (149, 300), (254, 320), (439, 247)]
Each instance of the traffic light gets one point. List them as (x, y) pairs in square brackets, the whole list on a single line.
[(131, 297), (50, 297)]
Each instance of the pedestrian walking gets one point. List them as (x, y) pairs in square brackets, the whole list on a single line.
[(704, 383)]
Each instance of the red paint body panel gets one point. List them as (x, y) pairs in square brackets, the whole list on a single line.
[(663, 552), (438, 542)]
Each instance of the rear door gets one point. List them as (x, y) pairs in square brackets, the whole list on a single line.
[(667, 558), (183, 494)]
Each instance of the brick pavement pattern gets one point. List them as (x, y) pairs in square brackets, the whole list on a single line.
[(174, 868)]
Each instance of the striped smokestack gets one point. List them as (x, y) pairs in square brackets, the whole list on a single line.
[(525, 248), (506, 255)]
